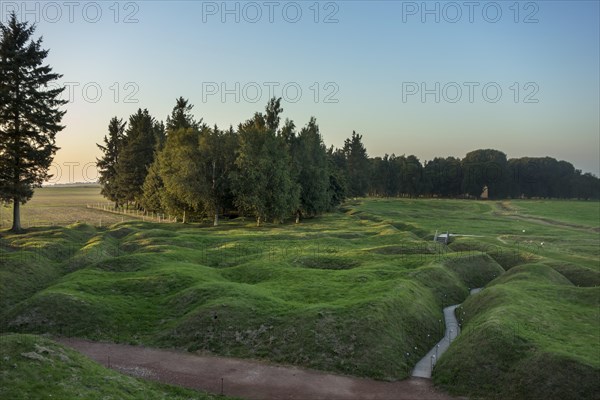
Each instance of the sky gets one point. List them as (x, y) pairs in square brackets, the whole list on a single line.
[(432, 78)]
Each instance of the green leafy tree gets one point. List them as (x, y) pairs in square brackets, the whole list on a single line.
[(411, 172), (180, 164), (585, 186), (379, 176), (30, 115), (217, 154), (107, 164), (443, 176), (262, 181), (272, 112), (154, 197), (485, 168), (249, 179), (385, 176), (282, 192)]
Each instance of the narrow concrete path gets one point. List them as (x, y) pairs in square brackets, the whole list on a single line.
[(248, 379), (425, 366)]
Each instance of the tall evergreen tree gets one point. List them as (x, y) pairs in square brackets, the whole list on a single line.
[(136, 156), (272, 112), (357, 164), (160, 135), (30, 115), (181, 116), (153, 188), (337, 177), (309, 157), (107, 164)]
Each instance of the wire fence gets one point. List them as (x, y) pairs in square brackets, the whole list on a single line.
[(149, 216), (93, 214)]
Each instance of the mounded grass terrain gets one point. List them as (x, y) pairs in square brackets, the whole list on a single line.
[(300, 295), (32, 367), (359, 291), (534, 332), (530, 334)]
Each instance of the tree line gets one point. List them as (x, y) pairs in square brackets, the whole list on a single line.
[(271, 170), (525, 177), (263, 169)]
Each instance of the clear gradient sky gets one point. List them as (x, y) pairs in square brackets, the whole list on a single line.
[(416, 78)]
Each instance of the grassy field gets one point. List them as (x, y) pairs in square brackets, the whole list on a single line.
[(61, 206), (35, 368), (559, 211), (358, 291)]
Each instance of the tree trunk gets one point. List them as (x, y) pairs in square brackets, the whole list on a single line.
[(16, 227), (184, 216)]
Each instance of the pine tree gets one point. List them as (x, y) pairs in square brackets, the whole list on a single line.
[(336, 191), (181, 116), (181, 172), (312, 170), (136, 156), (357, 164), (29, 115), (153, 188), (107, 164)]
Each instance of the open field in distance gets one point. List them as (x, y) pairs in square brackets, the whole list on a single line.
[(359, 291)]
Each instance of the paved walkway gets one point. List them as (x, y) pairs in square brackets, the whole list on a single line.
[(424, 367)]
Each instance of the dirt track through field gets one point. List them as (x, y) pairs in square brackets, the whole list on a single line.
[(245, 378), (509, 212)]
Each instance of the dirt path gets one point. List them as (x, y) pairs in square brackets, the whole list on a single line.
[(507, 211), (248, 379)]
